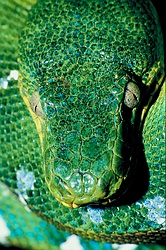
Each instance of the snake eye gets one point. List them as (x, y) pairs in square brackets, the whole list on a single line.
[(35, 104), (132, 95)]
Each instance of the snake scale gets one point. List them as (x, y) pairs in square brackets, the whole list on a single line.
[(89, 74)]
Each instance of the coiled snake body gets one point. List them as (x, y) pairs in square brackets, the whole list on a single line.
[(89, 72)]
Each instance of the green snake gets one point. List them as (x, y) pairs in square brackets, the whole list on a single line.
[(89, 72)]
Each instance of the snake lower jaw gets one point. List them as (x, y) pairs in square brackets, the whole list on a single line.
[(73, 205), (69, 205)]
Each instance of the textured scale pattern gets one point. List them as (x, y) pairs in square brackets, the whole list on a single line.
[(77, 57), (21, 170)]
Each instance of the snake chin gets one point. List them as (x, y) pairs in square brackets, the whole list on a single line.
[(69, 205)]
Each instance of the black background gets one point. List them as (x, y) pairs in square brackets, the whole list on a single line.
[(160, 6)]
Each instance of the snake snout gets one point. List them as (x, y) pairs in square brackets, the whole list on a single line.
[(79, 190), (74, 187)]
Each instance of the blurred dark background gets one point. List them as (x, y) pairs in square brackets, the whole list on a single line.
[(161, 9)]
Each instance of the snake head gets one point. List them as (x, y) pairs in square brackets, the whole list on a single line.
[(86, 79), (87, 135)]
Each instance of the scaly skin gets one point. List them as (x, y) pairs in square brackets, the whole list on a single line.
[(88, 88), (103, 64)]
